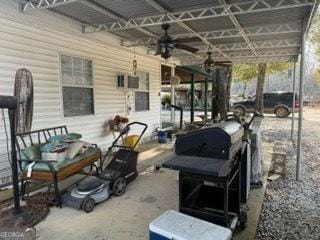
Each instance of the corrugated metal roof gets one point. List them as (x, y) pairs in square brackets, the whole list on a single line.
[(128, 8), (216, 22), (78, 10)]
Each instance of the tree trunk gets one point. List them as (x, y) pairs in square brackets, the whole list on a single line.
[(229, 77), (262, 67), (221, 90), (214, 108), (244, 90)]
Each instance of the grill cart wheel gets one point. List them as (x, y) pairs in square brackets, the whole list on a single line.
[(119, 186), (243, 219), (239, 110), (88, 204), (281, 112)]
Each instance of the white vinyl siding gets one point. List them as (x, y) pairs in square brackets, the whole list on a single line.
[(24, 42)]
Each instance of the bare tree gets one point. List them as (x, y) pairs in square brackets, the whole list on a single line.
[(262, 67), (221, 91), (229, 80)]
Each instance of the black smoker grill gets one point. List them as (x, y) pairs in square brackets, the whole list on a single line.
[(209, 161)]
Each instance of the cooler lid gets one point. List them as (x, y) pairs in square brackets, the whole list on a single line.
[(178, 226)]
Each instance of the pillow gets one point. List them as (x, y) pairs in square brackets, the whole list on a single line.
[(53, 147), (31, 152), (71, 137), (74, 149), (74, 136), (57, 139)]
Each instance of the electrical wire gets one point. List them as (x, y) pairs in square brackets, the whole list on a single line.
[(7, 136)]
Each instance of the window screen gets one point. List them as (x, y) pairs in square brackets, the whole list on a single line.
[(142, 101), (77, 86)]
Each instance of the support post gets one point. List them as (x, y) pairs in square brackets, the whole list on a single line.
[(172, 97), (301, 96), (10, 103), (293, 99), (192, 99), (206, 99), (14, 163)]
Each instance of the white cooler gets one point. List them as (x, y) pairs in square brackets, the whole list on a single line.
[(173, 225)]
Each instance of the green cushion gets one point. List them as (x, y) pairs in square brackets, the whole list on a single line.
[(31, 152), (59, 165), (65, 138)]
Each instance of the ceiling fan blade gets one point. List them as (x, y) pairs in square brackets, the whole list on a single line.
[(187, 40), (223, 63), (186, 48)]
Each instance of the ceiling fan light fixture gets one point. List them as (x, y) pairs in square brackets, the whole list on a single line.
[(166, 49), (208, 63)]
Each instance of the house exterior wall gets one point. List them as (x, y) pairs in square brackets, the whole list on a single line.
[(35, 40)]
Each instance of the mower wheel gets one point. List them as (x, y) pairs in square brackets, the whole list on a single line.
[(119, 186), (88, 204)]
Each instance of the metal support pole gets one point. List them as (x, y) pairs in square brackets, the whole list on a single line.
[(192, 99), (293, 99), (10, 103), (15, 177), (206, 99), (172, 97), (301, 93)]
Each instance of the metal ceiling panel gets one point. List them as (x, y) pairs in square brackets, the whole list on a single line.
[(82, 12), (182, 5), (130, 33), (128, 8), (292, 36), (211, 24), (226, 40), (174, 29), (270, 17)]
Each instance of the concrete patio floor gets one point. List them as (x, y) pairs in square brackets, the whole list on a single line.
[(128, 216)]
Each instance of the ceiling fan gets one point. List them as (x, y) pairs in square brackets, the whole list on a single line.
[(166, 44), (209, 63)]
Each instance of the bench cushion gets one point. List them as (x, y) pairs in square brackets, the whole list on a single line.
[(63, 164)]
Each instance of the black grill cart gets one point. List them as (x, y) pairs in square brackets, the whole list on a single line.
[(209, 165)]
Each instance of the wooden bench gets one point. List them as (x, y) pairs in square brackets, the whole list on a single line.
[(52, 171)]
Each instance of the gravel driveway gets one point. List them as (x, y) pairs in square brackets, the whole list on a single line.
[(291, 210)]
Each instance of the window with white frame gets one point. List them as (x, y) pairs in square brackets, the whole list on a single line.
[(77, 86), (142, 95)]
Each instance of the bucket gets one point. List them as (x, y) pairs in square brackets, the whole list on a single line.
[(131, 140), (162, 136)]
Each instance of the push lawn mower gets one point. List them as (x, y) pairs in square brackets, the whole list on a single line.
[(119, 169)]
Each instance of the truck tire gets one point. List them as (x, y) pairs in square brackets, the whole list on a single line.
[(282, 112), (239, 110)]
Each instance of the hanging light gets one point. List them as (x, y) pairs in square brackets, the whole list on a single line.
[(134, 63), (166, 49), (208, 63), (165, 43)]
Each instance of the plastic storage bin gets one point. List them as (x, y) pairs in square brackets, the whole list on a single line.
[(162, 136), (178, 226), (131, 140)]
